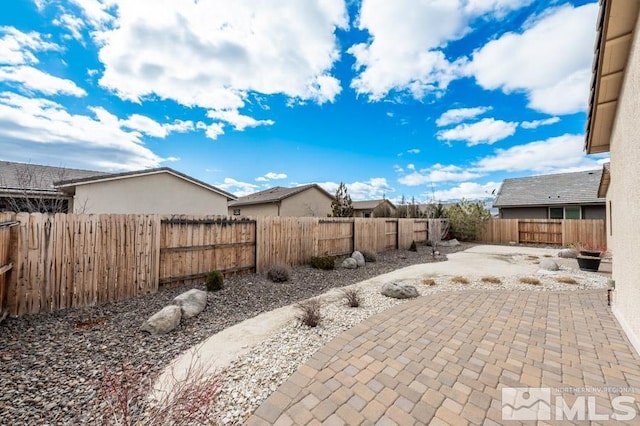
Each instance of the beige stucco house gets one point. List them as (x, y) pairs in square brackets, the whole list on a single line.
[(162, 191), (301, 201), (374, 208), (614, 125)]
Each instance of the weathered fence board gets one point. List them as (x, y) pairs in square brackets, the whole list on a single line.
[(191, 247), (6, 222), (62, 261), (545, 231)]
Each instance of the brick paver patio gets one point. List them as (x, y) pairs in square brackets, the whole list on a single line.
[(444, 359)]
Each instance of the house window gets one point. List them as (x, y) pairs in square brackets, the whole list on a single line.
[(565, 213), (236, 212), (367, 214)]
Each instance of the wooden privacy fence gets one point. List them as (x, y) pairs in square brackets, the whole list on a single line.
[(546, 231), (52, 262)]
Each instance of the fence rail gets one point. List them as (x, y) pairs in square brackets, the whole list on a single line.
[(545, 231), (52, 262)]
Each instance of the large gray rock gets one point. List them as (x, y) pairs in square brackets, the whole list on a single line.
[(349, 263), (568, 253), (191, 302), (163, 321), (548, 265), (359, 257), (399, 291), (449, 243)]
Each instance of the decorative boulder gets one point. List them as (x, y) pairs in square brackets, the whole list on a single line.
[(449, 243), (349, 263), (568, 253), (399, 291), (359, 257), (191, 302), (548, 265), (163, 321)]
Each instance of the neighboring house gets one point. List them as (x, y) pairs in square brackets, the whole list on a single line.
[(162, 191), (30, 187), (306, 200), (557, 196), (613, 126), (374, 208)]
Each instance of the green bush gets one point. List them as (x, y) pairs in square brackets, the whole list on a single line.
[(215, 281), (278, 274), (467, 220), (369, 256), (413, 246), (323, 262)]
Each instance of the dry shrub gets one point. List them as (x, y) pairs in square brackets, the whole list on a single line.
[(529, 280), (429, 281), (546, 255), (187, 401), (460, 280), (323, 262), (353, 297), (413, 246), (530, 257), (278, 274), (310, 312), (566, 280), (492, 280)]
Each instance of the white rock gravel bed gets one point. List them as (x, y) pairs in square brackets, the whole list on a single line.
[(255, 375)]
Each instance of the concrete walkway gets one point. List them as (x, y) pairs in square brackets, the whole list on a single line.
[(446, 358)]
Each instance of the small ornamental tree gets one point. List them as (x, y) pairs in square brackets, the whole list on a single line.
[(342, 206), (467, 219)]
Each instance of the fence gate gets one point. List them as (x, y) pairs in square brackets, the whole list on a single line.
[(540, 232), (391, 234)]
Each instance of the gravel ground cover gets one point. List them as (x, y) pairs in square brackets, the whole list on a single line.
[(52, 364)]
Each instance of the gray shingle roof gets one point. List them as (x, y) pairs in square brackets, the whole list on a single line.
[(109, 176), (369, 204), (556, 189), (275, 194), (34, 177)]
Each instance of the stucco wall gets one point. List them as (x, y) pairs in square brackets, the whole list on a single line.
[(524, 213), (309, 203), (160, 193), (270, 209), (624, 194)]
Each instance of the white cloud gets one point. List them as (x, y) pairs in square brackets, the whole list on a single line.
[(238, 188), (372, 189), (72, 23), (467, 191), (404, 52), (150, 127), (271, 176), (32, 79), (27, 126), (537, 123), (17, 47), (457, 115), (216, 54), (485, 131), (413, 151), (557, 154), (550, 60), (237, 120), (436, 174)]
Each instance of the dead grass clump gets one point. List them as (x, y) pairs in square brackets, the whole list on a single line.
[(309, 314), (459, 280), (530, 257), (429, 281), (492, 280), (546, 255), (353, 297), (566, 280), (529, 280)]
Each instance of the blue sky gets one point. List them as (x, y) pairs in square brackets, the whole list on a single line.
[(431, 99)]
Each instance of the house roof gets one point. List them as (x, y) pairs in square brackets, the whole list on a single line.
[(70, 183), (616, 23), (370, 204), (556, 189), (274, 195), (37, 178), (605, 180)]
